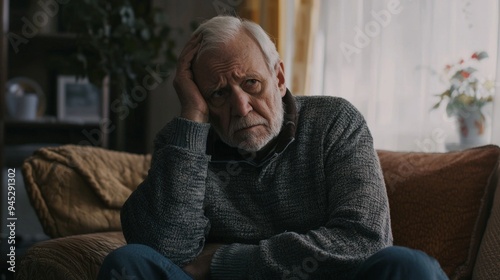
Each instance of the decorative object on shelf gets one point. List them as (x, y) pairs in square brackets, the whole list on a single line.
[(80, 101), (126, 41), (466, 94), (24, 99)]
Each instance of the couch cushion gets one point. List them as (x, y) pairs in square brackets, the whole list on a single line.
[(487, 264), (440, 202), (76, 257), (80, 189)]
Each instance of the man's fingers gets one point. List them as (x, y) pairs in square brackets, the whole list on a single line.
[(189, 52), (193, 43), (193, 105)]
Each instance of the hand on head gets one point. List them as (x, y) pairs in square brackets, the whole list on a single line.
[(239, 82), (193, 105)]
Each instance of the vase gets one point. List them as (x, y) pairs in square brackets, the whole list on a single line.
[(22, 107), (472, 128), (24, 99)]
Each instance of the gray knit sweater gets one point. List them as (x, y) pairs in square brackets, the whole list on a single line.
[(314, 209)]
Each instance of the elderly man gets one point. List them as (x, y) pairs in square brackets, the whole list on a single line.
[(251, 182)]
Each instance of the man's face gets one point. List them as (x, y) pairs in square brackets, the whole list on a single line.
[(243, 95)]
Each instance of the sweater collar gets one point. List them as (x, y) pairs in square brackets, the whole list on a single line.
[(221, 152)]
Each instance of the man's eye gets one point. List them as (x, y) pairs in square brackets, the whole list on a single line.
[(218, 98), (251, 86), (217, 94), (251, 82)]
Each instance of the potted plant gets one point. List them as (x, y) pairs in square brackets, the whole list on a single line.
[(122, 41), (466, 94)]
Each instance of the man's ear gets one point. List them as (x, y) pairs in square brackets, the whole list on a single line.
[(279, 69)]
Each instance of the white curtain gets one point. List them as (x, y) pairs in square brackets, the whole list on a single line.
[(383, 55)]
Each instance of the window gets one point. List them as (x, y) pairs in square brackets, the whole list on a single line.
[(384, 56)]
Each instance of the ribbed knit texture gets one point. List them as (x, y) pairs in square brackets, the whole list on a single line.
[(316, 210)]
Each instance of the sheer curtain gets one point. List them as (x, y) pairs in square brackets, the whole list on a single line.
[(383, 56)]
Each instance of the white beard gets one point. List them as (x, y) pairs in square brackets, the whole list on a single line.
[(252, 142)]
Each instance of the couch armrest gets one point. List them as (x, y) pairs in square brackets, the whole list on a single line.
[(487, 265), (81, 189), (69, 258)]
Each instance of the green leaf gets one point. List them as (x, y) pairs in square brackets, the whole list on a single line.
[(80, 57), (470, 70), (449, 109), (447, 93), (145, 34), (436, 105), (482, 55)]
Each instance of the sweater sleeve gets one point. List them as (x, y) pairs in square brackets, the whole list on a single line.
[(165, 212), (357, 226)]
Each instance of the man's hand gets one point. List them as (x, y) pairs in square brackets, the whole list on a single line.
[(199, 268), (193, 105)]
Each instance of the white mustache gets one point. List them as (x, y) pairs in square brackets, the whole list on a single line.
[(249, 121)]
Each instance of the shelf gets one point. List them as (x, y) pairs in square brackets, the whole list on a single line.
[(47, 122), (46, 42), (43, 53), (57, 132), (55, 41)]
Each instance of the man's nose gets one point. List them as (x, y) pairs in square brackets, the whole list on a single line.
[(240, 103)]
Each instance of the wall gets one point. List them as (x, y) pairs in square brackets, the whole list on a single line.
[(164, 104)]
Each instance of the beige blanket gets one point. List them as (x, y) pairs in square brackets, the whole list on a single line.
[(78, 189)]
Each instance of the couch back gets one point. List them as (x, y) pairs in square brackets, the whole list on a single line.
[(440, 202)]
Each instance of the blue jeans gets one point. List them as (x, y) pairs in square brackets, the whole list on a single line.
[(135, 261), (400, 263)]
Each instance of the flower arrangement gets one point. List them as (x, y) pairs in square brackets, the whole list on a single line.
[(467, 90)]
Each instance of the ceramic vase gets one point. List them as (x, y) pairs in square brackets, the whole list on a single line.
[(472, 128)]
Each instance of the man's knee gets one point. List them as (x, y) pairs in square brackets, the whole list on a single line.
[(126, 261), (127, 253), (400, 263), (136, 261), (128, 257)]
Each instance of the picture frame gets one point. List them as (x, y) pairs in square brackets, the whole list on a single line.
[(80, 101)]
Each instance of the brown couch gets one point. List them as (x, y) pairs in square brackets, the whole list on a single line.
[(445, 204)]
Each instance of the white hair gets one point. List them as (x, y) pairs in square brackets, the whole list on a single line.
[(221, 29)]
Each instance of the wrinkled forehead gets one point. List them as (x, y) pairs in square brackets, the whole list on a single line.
[(211, 42), (242, 53)]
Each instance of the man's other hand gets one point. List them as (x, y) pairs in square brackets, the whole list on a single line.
[(199, 268)]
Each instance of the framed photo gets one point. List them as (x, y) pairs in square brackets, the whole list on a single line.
[(78, 100)]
